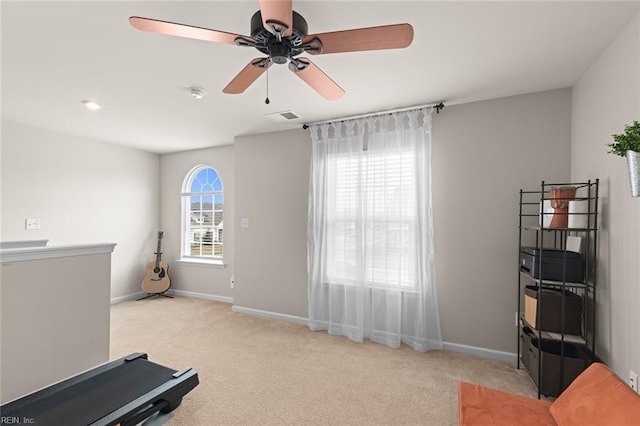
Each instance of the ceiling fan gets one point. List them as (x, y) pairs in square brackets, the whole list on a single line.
[(281, 33)]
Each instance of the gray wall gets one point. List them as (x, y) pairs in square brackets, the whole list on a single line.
[(272, 186), (483, 153), (605, 99), (83, 191), (205, 280)]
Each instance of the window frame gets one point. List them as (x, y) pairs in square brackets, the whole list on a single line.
[(186, 241), (335, 220)]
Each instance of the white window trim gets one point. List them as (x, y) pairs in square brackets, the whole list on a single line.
[(214, 262), (210, 263)]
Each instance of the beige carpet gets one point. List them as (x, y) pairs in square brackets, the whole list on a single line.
[(256, 371)]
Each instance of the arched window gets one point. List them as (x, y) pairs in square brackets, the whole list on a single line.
[(202, 207)]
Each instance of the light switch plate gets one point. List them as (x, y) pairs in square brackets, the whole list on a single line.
[(32, 224)]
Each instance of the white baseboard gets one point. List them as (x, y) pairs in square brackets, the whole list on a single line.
[(133, 296), (270, 315), (481, 352), (182, 293), (195, 295)]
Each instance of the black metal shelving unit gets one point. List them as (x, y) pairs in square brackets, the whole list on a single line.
[(569, 353)]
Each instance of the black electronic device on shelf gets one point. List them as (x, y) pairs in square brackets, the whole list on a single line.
[(556, 283), (557, 264)]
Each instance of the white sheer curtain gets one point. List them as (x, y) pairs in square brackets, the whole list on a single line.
[(370, 233)]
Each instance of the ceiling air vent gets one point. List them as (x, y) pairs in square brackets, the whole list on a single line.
[(283, 116)]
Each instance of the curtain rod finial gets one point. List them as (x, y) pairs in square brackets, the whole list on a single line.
[(438, 107)]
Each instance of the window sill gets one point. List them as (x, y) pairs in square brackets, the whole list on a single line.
[(371, 286), (198, 262)]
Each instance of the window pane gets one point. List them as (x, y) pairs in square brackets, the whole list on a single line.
[(198, 181), (217, 185), (371, 215), (207, 249), (203, 231)]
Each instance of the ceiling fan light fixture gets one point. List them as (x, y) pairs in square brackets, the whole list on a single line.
[(197, 92)]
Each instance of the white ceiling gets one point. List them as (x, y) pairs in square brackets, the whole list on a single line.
[(55, 54)]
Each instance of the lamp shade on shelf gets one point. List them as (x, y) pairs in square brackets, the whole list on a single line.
[(578, 214)]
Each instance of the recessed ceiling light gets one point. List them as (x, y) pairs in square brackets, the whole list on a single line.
[(91, 105)]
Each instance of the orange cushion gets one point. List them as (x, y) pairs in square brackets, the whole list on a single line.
[(479, 405), (597, 397)]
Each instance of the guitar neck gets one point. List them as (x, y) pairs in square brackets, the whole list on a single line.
[(158, 253)]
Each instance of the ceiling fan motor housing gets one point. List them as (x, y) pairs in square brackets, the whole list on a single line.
[(280, 50)]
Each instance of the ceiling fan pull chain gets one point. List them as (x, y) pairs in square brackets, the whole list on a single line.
[(266, 101)]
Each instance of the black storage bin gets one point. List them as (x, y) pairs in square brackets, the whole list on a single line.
[(525, 341), (554, 261), (575, 360), (551, 315)]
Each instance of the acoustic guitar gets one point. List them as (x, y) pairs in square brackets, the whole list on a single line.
[(156, 280)]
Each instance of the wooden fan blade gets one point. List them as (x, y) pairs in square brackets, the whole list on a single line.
[(188, 31), (248, 75), (277, 15), (372, 38), (317, 79)]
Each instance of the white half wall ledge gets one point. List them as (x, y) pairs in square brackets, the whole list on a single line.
[(51, 252), (22, 243)]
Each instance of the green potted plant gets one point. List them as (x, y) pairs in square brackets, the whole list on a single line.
[(627, 144)]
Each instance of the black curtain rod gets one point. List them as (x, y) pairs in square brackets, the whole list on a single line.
[(437, 107)]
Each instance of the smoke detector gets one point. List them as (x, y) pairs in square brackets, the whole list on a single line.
[(197, 92)]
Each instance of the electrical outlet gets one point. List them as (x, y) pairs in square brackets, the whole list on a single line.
[(232, 281), (633, 380)]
